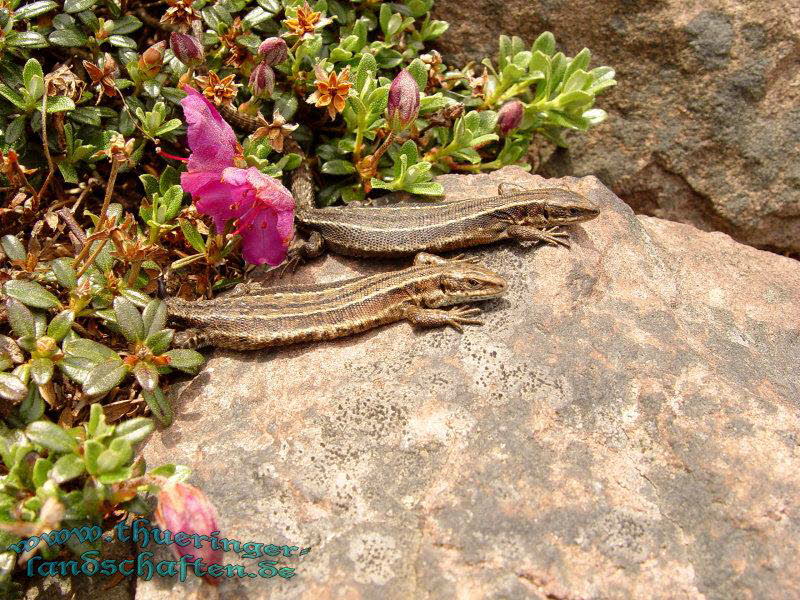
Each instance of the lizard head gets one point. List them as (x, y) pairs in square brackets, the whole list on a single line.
[(465, 281), (564, 207)]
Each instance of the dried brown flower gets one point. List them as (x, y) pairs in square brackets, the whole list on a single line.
[(305, 22), (219, 91), (103, 77), (237, 54), (332, 90), (180, 14), (277, 131), (63, 82), (14, 171)]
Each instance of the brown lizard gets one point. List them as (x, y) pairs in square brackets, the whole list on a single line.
[(260, 317)]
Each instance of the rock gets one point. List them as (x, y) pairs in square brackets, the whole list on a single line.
[(704, 126), (624, 425)]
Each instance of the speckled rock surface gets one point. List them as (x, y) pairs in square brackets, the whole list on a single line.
[(704, 127), (625, 425)]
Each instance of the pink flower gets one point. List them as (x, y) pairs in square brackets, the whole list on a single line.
[(183, 507), (261, 205)]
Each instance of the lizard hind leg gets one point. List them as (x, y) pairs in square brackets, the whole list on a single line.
[(190, 338), (425, 258), (502, 189)]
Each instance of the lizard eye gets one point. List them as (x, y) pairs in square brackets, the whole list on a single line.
[(474, 283)]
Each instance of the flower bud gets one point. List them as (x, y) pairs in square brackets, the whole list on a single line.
[(273, 50), (187, 49), (151, 60), (510, 116), (183, 507), (262, 80), (403, 104)]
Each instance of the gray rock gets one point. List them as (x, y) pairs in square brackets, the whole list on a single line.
[(624, 425), (704, 127)]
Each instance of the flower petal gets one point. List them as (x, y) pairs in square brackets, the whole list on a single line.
[(211, 139), (262, 242)]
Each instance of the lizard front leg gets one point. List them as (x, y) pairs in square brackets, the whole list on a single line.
[(526, 233), (301, 249), (435, 317)]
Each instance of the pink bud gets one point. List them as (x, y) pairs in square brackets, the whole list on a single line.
[(187, 49), (273, 50), (403, 105), (262, 80), (510, 116), (183, 507)]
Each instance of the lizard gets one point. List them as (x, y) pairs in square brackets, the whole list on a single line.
[(251, 318), (390, 231)]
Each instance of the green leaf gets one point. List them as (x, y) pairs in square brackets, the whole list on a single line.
[(105, 377), (159, 406), (41, 370), (127, 24), (30, 293), (11, 388), (154, 317), (160, 341), (192, 236), (73, 6), (418, 72), (150, 184), (168, 126), (91, 451), (90, 349), (41, 469), (32, 407), (13, 248), (59, 104), (185, 360), (90, 115), (97, 428), (338, 167), (171, 203), (68, 467), (134, 430), (118, 454), (27, 39), (367, 68), (65, 273), (31, 69), (68, 172), (20, 318), (51, 436), (12, 96), (34, 9), (428, 188), (61, 325), (545, 43), (122, 41), (146, 374), (116, 476), (72, 38), (128, 319)]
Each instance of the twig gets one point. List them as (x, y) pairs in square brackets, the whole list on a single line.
[(51, 167), (69, 219)]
